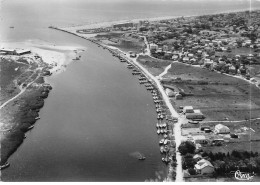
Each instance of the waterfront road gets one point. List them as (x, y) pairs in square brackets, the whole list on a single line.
[(177, 127)]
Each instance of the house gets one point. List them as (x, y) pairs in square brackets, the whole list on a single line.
[(204, 167), (22, 52), (153, 46), (200, 139), (185, 59), (178, 96), (188, 109), (221, 129), (169, 92), (197, 157), (8, 51), (175, 57)]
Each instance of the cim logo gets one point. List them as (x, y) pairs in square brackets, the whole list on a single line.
[(243, 176)]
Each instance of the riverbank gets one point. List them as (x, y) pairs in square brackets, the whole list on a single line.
[(24, 90)]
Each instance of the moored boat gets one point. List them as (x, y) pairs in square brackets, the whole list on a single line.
[(4, 166)]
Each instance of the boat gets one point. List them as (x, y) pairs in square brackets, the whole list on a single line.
[(158, 131), (161, 141), (157, 125), (165, 136), (37, 118), (162, 131), (30, 127), (4, 166), (165, 141), (161, 149), (141, 158)]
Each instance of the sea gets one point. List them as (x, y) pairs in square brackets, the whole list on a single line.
[(98, 118)]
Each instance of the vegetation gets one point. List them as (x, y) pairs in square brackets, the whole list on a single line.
[(187, 147), (236, 160)]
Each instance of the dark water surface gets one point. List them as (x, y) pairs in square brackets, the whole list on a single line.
[(94, 121)]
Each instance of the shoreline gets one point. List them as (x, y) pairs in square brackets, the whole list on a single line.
[(74, 28), (30, 100)]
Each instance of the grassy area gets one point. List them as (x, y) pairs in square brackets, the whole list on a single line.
[(218, 96), (122, 40), (17, 116), (10, 70), (155, 66)]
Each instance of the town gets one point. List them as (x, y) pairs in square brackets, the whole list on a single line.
[(209, 67)]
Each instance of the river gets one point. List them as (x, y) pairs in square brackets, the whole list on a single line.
[(94, 121)]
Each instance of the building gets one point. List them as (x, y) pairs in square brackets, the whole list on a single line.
[(199, 139), (195, 116), (22, 52), (153, 46), (178, 96), (165, 48), (188, 109), (197, 157), (169, 92), (204, 167), (8, 51), (221, 129), (123, 25)]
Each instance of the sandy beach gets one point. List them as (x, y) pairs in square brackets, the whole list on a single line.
[(57, 56)]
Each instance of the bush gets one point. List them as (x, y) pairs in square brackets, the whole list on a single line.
[(187, 147), (192, 171)]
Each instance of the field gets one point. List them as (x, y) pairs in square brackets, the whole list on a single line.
[(122, 40), (218, 96), (154, 66)]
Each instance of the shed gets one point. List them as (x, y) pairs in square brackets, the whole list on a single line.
[(188, 109), (221, 129), (195, 116), (178, 97), (169, 92)]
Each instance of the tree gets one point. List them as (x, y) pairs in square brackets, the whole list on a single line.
[(187, 147), (192, 171)]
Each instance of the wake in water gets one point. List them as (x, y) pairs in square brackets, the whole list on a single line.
[(136, 155)]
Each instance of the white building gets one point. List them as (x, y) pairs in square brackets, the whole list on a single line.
[(188, 109), (199, 139), (204, 167), (153, 46), (221, 129), (169, 92)]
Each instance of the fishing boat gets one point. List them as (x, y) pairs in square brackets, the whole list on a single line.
[(165, 141), (4, 166), (161, 131), (30, 127), (161, 141), (161, 149), (141, 158)]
